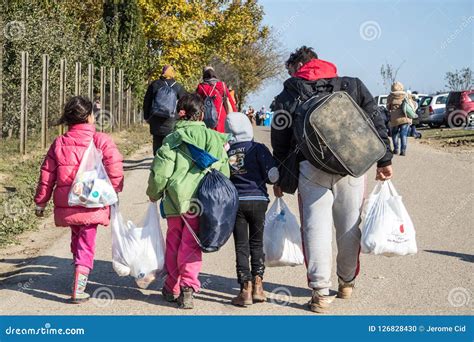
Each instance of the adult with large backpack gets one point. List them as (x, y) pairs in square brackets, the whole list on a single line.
[(217, 100), (159, 105), (326, 133)]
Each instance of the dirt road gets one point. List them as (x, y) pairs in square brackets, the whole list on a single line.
[(437, 188)]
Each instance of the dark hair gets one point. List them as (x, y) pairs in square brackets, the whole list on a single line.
[(193, 106), (209, 73), (302, 55), (76, 111)]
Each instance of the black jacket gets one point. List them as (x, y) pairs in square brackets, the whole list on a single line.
[(159, 126), (282, 139)]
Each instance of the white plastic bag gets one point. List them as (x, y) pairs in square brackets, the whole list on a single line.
[(138, 251), (92, 187), (386, 226), (282, 237)]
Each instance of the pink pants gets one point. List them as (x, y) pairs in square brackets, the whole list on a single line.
[(183, 257), (83, 244)]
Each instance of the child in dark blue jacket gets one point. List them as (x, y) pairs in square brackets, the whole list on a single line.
[(251, 168)]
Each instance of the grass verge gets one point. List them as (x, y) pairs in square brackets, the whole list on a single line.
[(19, 175), (461, 139)]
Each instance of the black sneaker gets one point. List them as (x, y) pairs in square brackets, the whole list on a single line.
[(395, 152), (403, 153), (186, 298)]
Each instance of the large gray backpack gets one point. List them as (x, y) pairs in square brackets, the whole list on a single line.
[(164, 102), (335, 134)]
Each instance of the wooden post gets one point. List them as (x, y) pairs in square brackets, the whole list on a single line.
[(90, 81), (127, 108), (120, 100), (23, 106), (44, 101), (62, 90), (134, 112), (112, 98), (77, 83), (102, 97)]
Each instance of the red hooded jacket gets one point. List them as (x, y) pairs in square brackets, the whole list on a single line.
[(206, 89), (316, 69)]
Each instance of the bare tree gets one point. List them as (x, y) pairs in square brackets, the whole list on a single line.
[(250, 66), (460, 79), (389, 74)]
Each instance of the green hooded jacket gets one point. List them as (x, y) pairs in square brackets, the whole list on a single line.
[(174, 176)]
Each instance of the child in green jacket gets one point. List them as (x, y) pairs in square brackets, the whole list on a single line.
[(175, 178)]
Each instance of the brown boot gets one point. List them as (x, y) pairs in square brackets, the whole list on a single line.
[(345, 289), (245, 296), (258, 295), (321, 303)]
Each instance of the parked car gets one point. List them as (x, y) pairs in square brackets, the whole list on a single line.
[(381, 100), (432, 110), (460, 108)]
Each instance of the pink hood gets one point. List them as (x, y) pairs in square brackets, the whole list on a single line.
[(59, 169)]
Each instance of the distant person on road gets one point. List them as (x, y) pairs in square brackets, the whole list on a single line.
[(58, 172), (260, 117), (175, 179), (251, 168), (160, 92), (325, 198), (399, 122), (212, 87), (251, 115)]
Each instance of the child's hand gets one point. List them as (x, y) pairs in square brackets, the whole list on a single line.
[(39, 211), (152, 200), (277, 191)]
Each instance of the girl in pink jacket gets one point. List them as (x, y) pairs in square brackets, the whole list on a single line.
[(58, 171)]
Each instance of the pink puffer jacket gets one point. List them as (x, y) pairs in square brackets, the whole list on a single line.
[(59, 169)]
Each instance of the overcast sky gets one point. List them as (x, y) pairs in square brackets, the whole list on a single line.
[(428, 37)]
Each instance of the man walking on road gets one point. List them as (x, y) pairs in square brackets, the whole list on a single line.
[(325, 199), (161, 124)]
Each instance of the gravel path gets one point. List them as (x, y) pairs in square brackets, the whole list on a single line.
[(437, 188)]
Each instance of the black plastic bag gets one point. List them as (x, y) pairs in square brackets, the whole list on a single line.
[(220, 202)]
